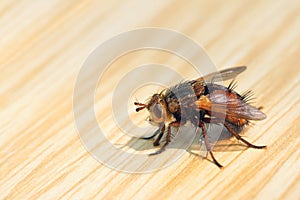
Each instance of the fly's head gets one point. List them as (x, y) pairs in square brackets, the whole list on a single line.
[(156, 107)]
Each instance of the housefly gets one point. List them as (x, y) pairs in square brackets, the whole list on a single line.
[(202, 101)]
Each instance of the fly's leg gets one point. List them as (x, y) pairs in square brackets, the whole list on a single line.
[(168, 140), (208, 147), (156, 142), (234, 133), (240, 138), (152, 136)]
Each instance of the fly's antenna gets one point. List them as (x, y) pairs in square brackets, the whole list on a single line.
[(141, 106)]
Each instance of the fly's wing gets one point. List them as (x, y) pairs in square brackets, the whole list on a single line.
[(224, 102), (223, 75)]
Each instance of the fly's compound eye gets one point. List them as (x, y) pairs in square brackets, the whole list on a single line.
[(157, 110)]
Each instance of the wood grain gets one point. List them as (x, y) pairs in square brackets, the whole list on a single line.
[(45, 43)]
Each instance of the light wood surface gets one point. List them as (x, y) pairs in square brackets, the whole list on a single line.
[(45, 43)]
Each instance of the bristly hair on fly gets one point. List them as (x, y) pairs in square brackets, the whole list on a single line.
[(194, 100)]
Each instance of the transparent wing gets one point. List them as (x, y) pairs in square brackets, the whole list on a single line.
[(223, 102), (223, 75)]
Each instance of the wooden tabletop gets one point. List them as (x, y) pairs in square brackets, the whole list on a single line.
[(46, 44)]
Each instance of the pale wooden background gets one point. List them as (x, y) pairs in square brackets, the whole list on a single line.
[(44, 44)]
